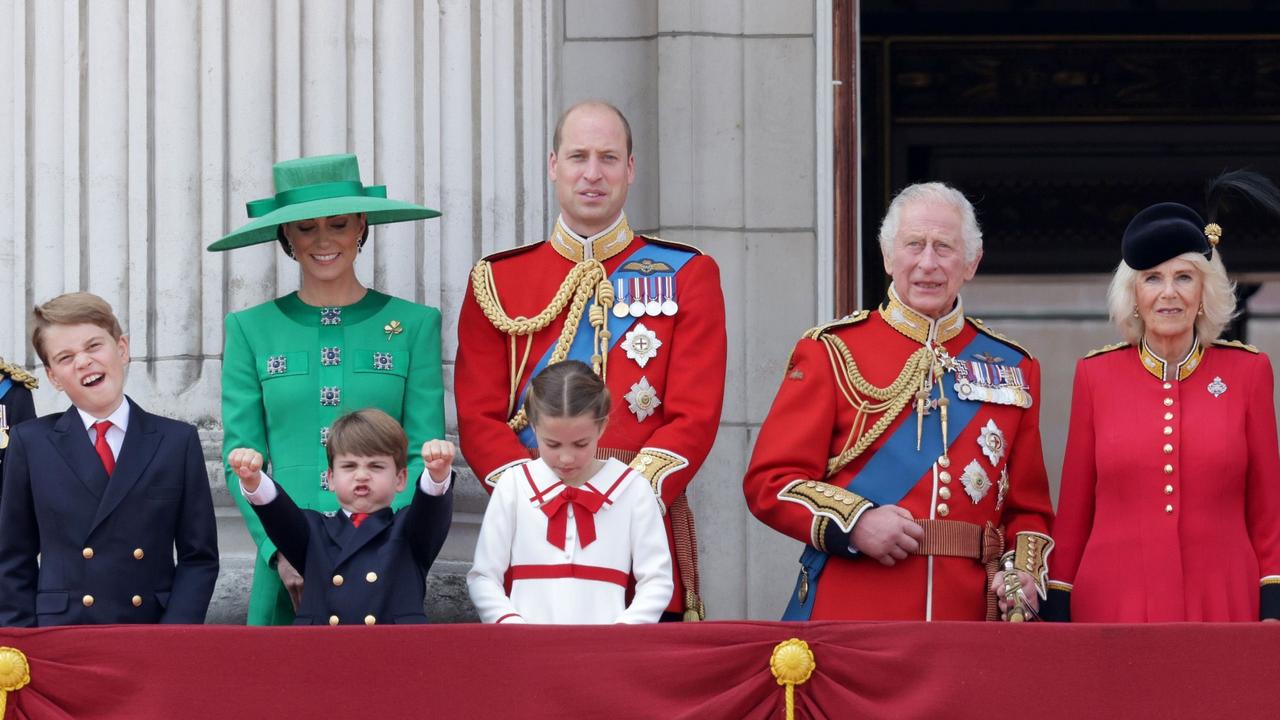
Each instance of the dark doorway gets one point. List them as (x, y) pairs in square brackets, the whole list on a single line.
[(1061, 121)]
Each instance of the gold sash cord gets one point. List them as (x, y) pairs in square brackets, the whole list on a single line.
[(586, 280)]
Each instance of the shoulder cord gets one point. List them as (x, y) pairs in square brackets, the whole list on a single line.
[(586, 279), (867, 399)]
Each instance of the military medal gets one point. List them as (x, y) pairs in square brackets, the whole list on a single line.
[(652, 307), (1217, 387), (4, 427), (643, 400), (636, 308), (991, 440), (988, 382), (669, 306), (641, 344), (620, 307), (975, 481)]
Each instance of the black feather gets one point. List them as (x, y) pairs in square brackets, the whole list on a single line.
[(1224, 194)]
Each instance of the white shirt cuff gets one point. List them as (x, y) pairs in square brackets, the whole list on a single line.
[(265, 493), (435, 489)]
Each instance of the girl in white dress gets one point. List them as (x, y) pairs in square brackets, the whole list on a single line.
[(564, 534)]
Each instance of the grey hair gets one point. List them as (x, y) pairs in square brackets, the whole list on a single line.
[(1218, 295), (932, 192)]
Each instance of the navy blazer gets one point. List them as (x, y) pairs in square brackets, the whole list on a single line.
[(375, 573), (106, 545)]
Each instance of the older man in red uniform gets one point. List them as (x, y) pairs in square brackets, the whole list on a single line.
[(648, 315), (903, 447)]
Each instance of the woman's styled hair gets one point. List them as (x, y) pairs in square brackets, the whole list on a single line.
[(567, 389), (77, 308), (932, 192), (366, 433), (1217, 295)]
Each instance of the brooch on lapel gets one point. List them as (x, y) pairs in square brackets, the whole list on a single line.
[(392, 328)]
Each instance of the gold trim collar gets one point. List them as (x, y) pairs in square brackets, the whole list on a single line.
[(918, 327), (1157, 366), (600, 246)]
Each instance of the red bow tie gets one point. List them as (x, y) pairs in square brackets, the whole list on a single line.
[(557, 510)]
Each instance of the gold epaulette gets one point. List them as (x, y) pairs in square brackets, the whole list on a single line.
[(20, 375), (1237, 345), (1107, 349), (670, 243), (851, 319), (981, 327)]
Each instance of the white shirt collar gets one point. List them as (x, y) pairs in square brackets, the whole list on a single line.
[(119, 418)]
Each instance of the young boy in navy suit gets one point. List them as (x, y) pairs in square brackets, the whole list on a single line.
[(365, 564), (98, 499)]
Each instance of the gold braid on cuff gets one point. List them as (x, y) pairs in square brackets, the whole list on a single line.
[(1031, 555), (825, 501)]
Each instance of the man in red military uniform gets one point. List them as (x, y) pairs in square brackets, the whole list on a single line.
[(647, 314), (903, 447)]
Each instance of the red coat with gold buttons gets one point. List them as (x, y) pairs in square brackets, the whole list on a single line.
[(788, 485), (684, 377), (1170, 501)]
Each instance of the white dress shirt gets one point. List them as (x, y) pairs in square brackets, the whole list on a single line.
[(115, 434)]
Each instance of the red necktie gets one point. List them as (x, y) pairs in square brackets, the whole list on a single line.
[(557, 511), (357, 518), (104, 450)]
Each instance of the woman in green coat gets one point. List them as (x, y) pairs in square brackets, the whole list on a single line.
[(293, 365)]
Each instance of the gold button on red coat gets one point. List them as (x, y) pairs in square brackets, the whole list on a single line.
[(944, 476), (1168, 430), (1168, 489), (1168, 469), (944, 493), (1168, 509), (1168, 402), (943, 510), (1168, 449), (1168, 416)]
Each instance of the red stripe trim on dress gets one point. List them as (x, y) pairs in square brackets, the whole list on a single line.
[(615, 485), (504, 617), (539, 496), (569, 570)]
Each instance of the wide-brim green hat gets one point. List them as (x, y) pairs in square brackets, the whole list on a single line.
[(314, 187)]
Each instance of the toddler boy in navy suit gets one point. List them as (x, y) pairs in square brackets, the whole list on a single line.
[(365, 563), (99, 499)]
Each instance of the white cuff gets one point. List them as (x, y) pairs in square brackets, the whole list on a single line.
[(265, 493), (428, 485)]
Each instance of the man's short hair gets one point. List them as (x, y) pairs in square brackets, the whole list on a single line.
[(626, 126), (367, 433), (932, 192), (77, 308)]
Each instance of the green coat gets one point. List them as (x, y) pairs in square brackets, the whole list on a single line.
[(283, 362)]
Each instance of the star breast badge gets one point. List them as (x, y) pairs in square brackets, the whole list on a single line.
[(643, 400), (991, 440), (641, 344), (975, 481)]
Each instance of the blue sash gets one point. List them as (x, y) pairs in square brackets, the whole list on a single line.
[(5, 385), (581, 348), (896, 467)]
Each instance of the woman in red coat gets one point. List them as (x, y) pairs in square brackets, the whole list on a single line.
[(1170, 501)]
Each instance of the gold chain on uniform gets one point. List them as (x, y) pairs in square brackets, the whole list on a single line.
[(913, 382), (586, 279)]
